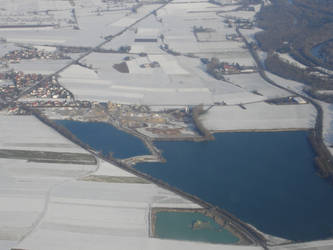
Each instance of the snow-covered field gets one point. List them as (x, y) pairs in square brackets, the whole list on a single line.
[(327, 124), (69, 240), (314, 245), (97, 215), (168, 64), (178, 81), (254, 82), (94, 20), (287, 58), (260, 116), (24, 185), (44, 207), (288, 84), (44, 67), (28, 133)]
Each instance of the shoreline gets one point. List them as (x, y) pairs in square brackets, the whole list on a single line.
[(261, 130), (247, 232)]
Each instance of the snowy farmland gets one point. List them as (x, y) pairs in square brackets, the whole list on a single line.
[(45, 207), (327, 125), (87, 26), (178, 81), (28, 133), (254, 83), (44, 67), (287, 58), (110, 213), (288, 84), (260, 116)]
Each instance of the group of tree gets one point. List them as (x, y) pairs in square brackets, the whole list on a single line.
[(295, 27)]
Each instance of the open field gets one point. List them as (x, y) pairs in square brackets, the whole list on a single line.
[(44, 67), (51, 157), (176, 82), (23, 193), (254, 83), (111, 213), (314, 245), (327, 125), (91, 21), (29, 134), (260, 116)]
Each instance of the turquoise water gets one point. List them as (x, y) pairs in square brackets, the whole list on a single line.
[(106, 138), (185, 226), (265, 179)]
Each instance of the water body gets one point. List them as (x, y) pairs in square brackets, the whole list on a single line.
[(191, 226), (106, 138), (265, 179), (316, 50)]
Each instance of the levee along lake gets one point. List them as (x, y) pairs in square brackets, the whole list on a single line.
[(267, 179)]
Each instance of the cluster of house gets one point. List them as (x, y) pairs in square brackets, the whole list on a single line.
[(15, 82), (58, 103), (50, 88), (242, 23), (18, 81), (218, 69), (16, 56)]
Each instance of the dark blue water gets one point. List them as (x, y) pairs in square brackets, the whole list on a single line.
[(315, 51), (106, 138), (265, 179)]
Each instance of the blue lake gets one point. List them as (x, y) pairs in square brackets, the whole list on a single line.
[(265, 179), (106, 138)]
